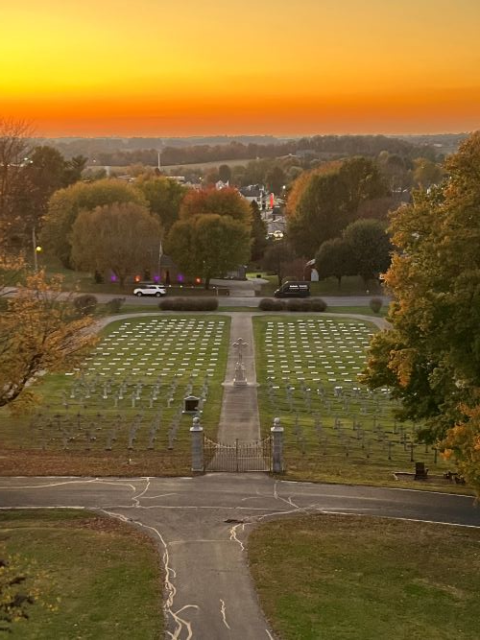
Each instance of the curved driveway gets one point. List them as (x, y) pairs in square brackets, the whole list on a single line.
[(201, 526)]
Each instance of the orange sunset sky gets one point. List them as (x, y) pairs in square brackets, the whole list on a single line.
[(184, 67)]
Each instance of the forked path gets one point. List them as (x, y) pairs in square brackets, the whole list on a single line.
[(201, 524)]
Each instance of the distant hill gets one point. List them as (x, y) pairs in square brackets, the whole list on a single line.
[(443, 143), (194, 150)]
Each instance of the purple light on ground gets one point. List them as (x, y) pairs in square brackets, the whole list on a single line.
[(180, 278), (113, 278), (156, 278)]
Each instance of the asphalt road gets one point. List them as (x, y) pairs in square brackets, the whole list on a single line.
[(201, 526), (236, 299)]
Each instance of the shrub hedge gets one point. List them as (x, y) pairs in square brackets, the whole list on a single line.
[(189, 304), (271, 304), (115, 304), (318, 304), (293, 304), (376, 304), (85, 305), (297, 305)]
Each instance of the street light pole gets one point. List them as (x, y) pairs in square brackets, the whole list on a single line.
[(36, 250), (160, 253), (35, 257)]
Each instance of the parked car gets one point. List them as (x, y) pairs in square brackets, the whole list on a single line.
[(293, 290), (150, 290)]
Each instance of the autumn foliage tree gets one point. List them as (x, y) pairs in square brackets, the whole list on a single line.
[(208, 245), (39, 333), (66, 204), (278, 258), (213, 235), (301, 182), (328, 199), (370, 248), (223, 202), (334, 260), (164, 197), (258, 233), (431, 356), (14, 147), (427, 172), (122, 238)]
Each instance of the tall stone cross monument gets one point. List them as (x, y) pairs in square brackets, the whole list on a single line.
[(239, 379)]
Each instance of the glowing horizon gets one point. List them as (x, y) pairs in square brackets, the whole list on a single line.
[(146, 69)]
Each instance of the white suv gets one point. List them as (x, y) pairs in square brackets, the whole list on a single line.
[(150, 290)]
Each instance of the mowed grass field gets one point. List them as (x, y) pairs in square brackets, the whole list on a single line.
[(362, 578), (96, 577)]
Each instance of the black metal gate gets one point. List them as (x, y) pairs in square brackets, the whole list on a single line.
[(239, 457)]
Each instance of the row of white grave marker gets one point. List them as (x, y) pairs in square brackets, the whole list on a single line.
[(159, 346), (305, 349)]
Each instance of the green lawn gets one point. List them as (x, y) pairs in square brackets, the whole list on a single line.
[(361, 578), (363, 311), (101, 577)]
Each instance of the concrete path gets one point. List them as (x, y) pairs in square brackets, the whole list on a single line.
[(239, 419), (201, 526)]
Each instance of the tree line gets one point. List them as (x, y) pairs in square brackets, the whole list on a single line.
[(111, 152), (112, 226)]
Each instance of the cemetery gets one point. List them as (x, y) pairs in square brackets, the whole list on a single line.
[(129, 396), (334, 427), (136, 396)]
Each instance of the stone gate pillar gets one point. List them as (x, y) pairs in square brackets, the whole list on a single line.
[(197, 446), (277, 446)]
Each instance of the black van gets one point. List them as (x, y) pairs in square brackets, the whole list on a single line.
[(293, 290)]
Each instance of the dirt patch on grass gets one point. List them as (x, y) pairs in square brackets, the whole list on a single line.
[(52, 463), (107, 525)]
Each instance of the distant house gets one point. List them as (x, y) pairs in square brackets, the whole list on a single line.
[(305, 154), (255, 193), (240, 273), (310, 271), (168, 270)]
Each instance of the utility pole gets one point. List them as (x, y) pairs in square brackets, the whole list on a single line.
[(36, 250), (160, 253), (159, 157), (35, 257)]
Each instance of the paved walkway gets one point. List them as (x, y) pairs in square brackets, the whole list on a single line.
[(201, 525), (239, 418)]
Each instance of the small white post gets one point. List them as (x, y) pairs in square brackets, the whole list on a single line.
[(197, 445), (277, 446)]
